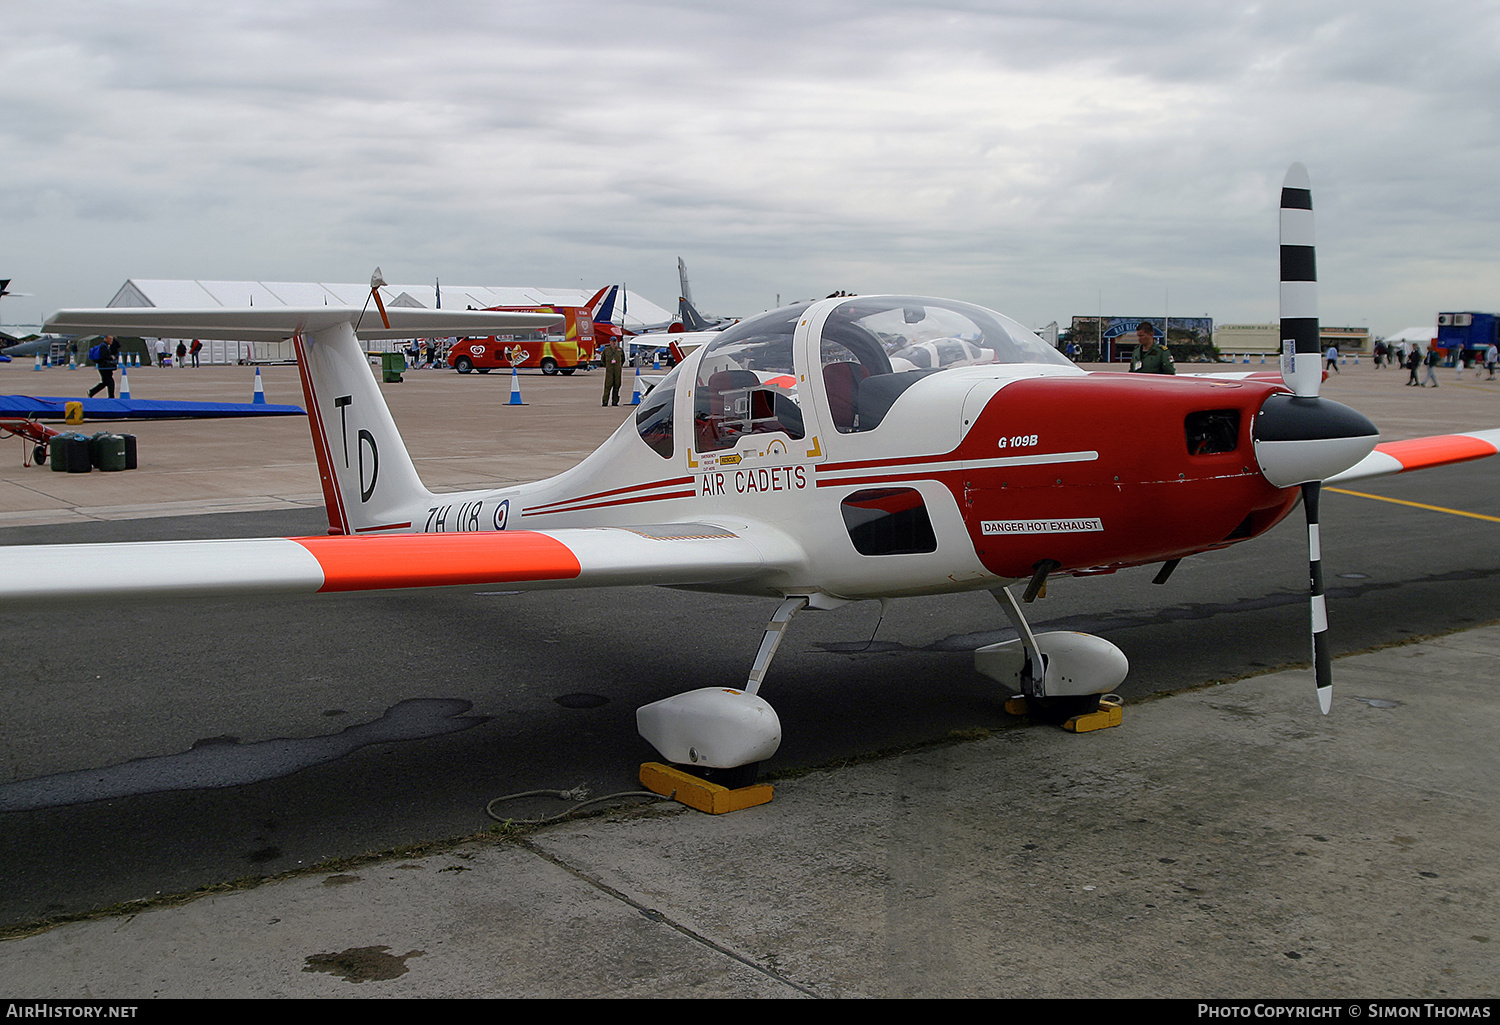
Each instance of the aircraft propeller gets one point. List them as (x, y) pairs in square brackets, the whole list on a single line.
[(1303, 439)]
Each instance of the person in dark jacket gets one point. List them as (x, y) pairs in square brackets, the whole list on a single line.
[(1150, 358), (107, 363)]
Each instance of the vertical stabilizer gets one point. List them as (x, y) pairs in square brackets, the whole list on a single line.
[(369, 481), (682, 279), (692, 320), (602, 307)]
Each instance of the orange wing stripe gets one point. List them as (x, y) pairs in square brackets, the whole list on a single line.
[(1448, 448), (364, 563)]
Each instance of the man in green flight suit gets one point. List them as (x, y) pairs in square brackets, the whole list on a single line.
[(1150, 358), (613, 359)]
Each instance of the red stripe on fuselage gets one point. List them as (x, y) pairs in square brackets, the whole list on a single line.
[(369, 563), (572, 504), (618, 501)]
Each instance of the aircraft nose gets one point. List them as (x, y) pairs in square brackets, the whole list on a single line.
[(1301, 439)]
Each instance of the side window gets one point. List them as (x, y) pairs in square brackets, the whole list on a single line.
[(888, 521), (654, 419)]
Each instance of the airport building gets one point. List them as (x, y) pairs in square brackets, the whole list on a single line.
[(137, 292), (1264, 339)]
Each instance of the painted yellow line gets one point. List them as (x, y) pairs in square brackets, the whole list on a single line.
[(1417, 505)]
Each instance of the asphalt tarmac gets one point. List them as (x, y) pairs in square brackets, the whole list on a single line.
[(186, 746)]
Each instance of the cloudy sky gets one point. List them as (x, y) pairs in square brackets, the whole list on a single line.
[(1047, 158)]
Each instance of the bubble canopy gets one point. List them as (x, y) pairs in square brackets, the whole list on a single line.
[(947, 332), (753, 378)]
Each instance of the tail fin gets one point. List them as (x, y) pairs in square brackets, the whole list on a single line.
[(369, 480), (692, 320), (682, 279), (602, 305)]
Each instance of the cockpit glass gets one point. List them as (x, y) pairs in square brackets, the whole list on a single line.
[(654, 419), (874, 348), (747, 382)]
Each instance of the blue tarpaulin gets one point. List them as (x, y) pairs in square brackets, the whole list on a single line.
[(44, 407)]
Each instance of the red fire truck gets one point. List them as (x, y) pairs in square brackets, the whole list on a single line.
[(561, 349)]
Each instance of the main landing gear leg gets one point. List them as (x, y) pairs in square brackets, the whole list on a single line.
[(720, 733), (1034, 668), (772, 640)]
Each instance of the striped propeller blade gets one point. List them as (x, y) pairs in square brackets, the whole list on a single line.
[(1301, 357), (1322, 661)]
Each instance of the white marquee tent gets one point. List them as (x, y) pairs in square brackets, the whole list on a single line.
[(639, 311)]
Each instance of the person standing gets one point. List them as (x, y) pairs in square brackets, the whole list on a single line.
[(1491, 355), (1149, 357), (161, 352), (107, 359), (195, 348), (612, 357), (1432, 361), (1332, 356)]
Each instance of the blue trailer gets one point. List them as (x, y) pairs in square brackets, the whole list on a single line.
[(1469, 331)]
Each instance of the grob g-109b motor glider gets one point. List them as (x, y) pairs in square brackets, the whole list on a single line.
[(792, 457)]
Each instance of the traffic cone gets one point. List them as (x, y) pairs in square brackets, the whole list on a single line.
[(1262, 359), (515, 387), (635, 399), (38, 364), (1247, 358), (125, 383), (259, 398), (655, 359)]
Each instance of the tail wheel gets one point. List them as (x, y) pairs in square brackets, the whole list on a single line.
[(549, 366), (464, 364), (39, 454)]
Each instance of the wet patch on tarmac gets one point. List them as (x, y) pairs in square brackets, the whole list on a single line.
[(216, 762), (362, 964)]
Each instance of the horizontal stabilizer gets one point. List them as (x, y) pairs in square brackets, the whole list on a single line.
[(572, 557), (1421, 454), (276, 323)]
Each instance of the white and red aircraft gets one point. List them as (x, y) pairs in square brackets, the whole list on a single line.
[(788, 458)]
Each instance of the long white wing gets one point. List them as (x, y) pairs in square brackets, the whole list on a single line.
[(679, 553)]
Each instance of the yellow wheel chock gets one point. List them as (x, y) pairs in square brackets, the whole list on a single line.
[(700, 794), (1109, 714)]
